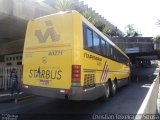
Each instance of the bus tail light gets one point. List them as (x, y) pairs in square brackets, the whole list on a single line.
[(76, 74)]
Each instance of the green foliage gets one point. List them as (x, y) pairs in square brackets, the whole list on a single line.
[(106, 30), (156, 38), (131, 31), (95, 21), (63, 5), (87, 15)]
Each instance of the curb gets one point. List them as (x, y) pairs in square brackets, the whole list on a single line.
[(149, 105), (8, 98)]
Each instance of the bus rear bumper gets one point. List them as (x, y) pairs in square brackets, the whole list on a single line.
[(75, 93), (79, 93)]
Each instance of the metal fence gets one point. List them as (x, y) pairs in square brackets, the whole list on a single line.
[(5, 81)]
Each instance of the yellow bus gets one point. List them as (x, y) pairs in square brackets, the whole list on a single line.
[(66, 57)]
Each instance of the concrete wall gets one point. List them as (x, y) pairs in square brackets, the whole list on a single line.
[(144, 44), (25, 9), (29, 9), (157, 45), (149, 105), (2, 64), (12, 47), (6, 7)]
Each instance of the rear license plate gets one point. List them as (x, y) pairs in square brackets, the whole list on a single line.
[(44, 82)]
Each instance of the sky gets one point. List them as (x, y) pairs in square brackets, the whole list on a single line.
[(144, 14)]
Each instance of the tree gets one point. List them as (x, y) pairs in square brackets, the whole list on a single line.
[(156, 38), (131, 31)]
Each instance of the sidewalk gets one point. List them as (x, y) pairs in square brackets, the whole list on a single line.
[(158, 102), (158, 98), (5, 96)]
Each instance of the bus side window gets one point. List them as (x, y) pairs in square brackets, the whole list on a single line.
[(96, 42), (121, 58), (111, 51), (89, 39), (114, 54), (103, 46), (108, 50)]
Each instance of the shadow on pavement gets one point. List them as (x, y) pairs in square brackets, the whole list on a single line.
[(127, 101)]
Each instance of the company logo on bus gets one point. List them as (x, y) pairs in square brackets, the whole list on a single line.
[(44, 60), (49, 32), (105, 72), (55, 74)]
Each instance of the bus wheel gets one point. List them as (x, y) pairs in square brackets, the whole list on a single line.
[(113, 87), (106, 93)]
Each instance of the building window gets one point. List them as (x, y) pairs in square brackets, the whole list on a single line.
[(19, 63), (1, 58), (9, 64)]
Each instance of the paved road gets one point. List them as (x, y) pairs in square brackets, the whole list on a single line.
[(127, 101)]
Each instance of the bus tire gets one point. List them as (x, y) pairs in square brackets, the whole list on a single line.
[(113, 87), (106, 93)]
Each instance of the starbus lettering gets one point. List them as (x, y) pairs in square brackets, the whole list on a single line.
[(46, 74), (50, 32)]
